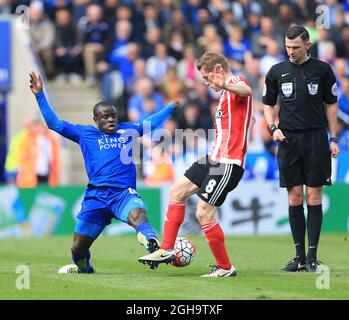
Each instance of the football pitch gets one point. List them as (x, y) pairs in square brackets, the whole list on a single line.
[(120, 276)]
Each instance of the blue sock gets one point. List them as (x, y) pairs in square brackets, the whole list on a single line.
[(84, 263), (146, 229)]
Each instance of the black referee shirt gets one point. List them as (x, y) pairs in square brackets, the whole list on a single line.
[(303, 91)]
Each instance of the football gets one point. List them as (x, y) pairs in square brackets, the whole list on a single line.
[(69, 268), (185, 252)]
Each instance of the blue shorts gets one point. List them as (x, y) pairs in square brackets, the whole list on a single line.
[(100, 205)]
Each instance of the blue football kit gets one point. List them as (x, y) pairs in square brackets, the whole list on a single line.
[(111, 191)]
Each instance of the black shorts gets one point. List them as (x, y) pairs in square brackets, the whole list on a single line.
[(305, 159), (214, 179)]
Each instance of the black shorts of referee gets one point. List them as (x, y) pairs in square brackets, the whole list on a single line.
[(304, 159), (214, 179)]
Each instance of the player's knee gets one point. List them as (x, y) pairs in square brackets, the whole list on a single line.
[(313, 197), (202, 213), (295, 198)]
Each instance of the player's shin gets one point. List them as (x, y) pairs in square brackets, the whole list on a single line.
[(173, 220)]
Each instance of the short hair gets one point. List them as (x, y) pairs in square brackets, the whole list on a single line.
[(102, 104), (297, 31), (209, 59)]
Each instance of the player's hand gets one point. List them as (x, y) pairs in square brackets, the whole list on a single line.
[(35, 82), (334, 149), (279, 136), (217, 76), (177, 105)]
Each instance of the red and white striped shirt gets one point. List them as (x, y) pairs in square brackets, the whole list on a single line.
[(232, 123)]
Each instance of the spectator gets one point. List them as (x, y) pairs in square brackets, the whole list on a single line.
[(144, 90), (166, 8), (267, 34), (117, 74), (305, 10), (251, 73), (342, 47), (332, 7), (110, 10), (116, 53), (156, 65), (38, 157), (158, 170), (201, 97), (339, 23), (284, 18), (5, 7), (237, 48), (42, 33), (272, 57), (93, 35), (176, 45), (150, 17), (225, 24), (190, 10), (171, 87), (243, 8), (326, 50), (191, 117), (52, 6), (79, 10), (217, 8), (13, 154), (138, 73), (208, 37), (152, 37), (177, 23), (341, 67), (186, 68), (253, 26), (67, 52), (203, 20)]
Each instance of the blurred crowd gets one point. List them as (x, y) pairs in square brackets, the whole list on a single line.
[(33, 156), (142, 53)]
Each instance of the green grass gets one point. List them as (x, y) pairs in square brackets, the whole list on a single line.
[(120, 276)]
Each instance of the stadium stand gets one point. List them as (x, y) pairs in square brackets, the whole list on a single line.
[(102, 50)]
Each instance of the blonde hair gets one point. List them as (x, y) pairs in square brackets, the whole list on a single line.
[(209, 59)]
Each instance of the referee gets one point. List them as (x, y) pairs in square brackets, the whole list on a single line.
[(307, 92)]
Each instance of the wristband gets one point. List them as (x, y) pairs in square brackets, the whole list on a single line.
[(334, 139), (272, 128)]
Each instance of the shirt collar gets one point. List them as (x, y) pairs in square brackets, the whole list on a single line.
[(308, 57)]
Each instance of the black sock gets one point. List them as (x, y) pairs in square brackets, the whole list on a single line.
[(297, 224), (314, 223)]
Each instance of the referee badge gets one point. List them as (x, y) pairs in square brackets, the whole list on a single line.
[(334, 89), (312, 87), (287, 89)]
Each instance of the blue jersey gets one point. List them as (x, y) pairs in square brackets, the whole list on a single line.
[(108, 157)]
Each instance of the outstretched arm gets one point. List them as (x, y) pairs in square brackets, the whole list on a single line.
[(51, 119), (158, 118)]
